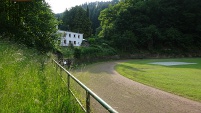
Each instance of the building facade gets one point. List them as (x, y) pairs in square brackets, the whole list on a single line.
[(68, 38)]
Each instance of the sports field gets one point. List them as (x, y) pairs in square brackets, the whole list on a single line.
[(178, 76)]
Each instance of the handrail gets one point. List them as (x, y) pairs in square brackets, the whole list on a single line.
[(88, 93)]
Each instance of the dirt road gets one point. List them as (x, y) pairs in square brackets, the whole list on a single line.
[(127, 96)]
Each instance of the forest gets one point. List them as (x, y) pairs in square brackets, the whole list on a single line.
[(153, 25), (117, 26), (139, 26)]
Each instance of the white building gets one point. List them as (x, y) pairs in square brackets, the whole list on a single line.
[(70, 37)]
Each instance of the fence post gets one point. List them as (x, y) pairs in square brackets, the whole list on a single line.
[(88, 102), (68, 84)]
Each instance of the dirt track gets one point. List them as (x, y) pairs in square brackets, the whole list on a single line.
[(127, 96)]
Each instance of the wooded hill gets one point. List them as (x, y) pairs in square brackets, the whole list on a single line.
[(153, 25), (83, 18), (31, 23), (133, 26)]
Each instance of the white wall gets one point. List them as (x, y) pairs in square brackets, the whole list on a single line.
[(74, 38)]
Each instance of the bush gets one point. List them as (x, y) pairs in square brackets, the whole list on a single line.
[(93, 53)]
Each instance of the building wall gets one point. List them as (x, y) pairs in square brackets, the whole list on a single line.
[(71, 37)]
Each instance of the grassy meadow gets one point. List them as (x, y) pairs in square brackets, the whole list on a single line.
[(183, 80), (30, 84)]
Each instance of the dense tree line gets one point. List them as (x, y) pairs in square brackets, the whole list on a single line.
[(76, 20), (94, 9), (153, 25), (83, 18), (31, 23)]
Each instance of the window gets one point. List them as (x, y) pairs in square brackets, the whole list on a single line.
[(69, 35), (64, 41), (69, 42), (74, 42), (78, 36), (74, 36)]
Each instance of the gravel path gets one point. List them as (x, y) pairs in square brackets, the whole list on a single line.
[(127, 96)]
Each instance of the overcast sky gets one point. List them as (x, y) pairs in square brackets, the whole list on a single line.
[(59, 6)]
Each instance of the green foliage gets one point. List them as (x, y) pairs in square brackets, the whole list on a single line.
[(183, 80), (30, 23), (94, 9), (93, 53), (152, 25), (98, 51), (76, 20), (29, 83), (77, 53), (127, 38), (67, 52)]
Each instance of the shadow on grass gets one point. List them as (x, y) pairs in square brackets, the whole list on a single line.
[(101, 67), (130, 67)]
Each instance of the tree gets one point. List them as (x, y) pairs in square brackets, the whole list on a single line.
[(76, 20), (87, 11), (31, 23), (94, 11)]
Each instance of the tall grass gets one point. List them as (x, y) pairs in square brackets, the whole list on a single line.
[(30, 84)]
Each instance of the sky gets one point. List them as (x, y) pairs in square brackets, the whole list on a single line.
[(59, 6)]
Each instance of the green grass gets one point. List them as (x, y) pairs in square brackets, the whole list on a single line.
[(30, 84), (183, 80)]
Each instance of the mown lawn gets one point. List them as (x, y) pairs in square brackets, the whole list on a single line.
[(30, 84), (183, 80)]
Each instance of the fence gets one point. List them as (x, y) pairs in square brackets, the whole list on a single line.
[(89, 93)]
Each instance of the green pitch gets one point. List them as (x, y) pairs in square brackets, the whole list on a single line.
[(182, 79)]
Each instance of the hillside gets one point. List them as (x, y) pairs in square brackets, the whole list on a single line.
[(29, 82)]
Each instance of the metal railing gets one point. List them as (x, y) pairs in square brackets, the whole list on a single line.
[(89, 93)]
